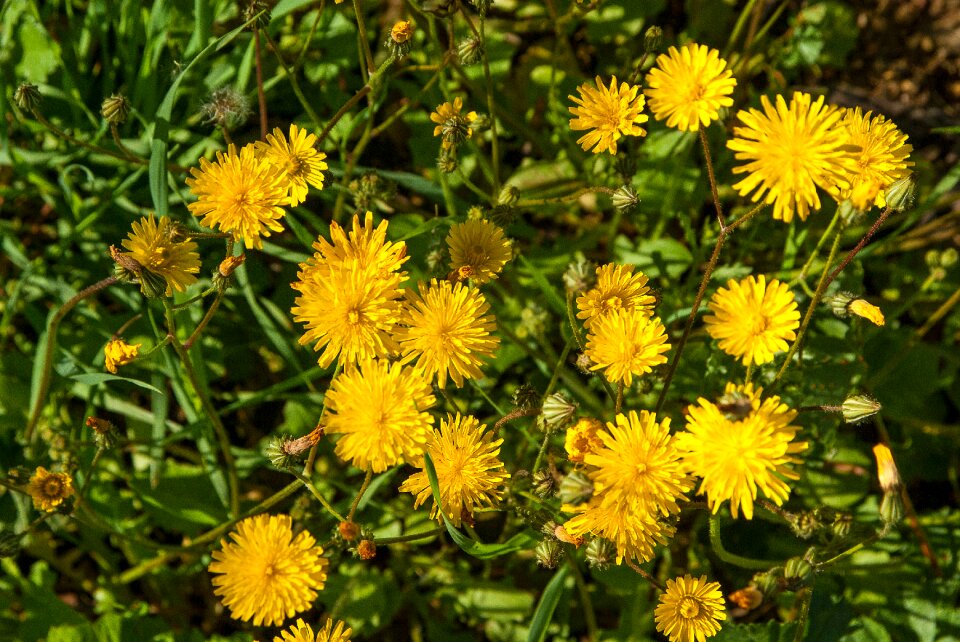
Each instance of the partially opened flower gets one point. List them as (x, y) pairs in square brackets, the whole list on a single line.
[(155, 246), (690, 610), (478, 249), (302, 632), (791, 149), (608, 114), (452, 125), (118, 352), (469, 471), (882, 159), (266, 574), (241, 194), (299, 161), (753, 319), (616, 288), (380, 411), (582, 439), (49, 490), (688, 87), (626, 345)]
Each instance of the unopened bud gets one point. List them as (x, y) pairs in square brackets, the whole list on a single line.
[(859, 407), (601, 553), (508, 195), (576, 488), (625, 198), (842, 524), (770, 582), (887, 471), (557, 410), (470, 51), (653, 39), (580, 276), (27, 96), (797, 570), (549, 553), (104, 434), (115, 109), (447, 162), (899, 196), (544, 484), (891, 507)]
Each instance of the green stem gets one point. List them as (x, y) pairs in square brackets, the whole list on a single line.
[(494, 138), (731, 558), (292, 77), (556, 369), (400, 539), (564, 199), (261, 96), (356, 500), (473, 188), (572, 318), (589, 616), (547, 431), (816, 250), (320, 498), (863, 243), (713, 179), (362, 32), (347, 106), (204, 321)]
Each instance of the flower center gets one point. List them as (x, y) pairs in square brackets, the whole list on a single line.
[(759, 325), (689, 608), (52, 487)]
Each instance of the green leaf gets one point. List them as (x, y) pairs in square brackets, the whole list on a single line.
[(547, 605), (96, 378)]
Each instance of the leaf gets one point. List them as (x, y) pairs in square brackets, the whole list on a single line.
[(547, 605), (96, 378)]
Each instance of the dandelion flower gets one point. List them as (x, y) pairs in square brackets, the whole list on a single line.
[(451, 124), (883, 157), (609, 113), (299, 161), (737, 456), (401, 31), (118, 352), (266, 574), (688, 87), (617, 288), (478, 249), (582, 439), (887, 472), (469, 470), (380, 409), (790, 151), (447, 330), (753, 320), (690, 610), (626, 345), (240, 194), (363, 243), (154, 246), (301, 632), (49, 490), (632, 529)]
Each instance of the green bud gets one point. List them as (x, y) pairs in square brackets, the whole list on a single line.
[(576, 488), (601, 553), (653, 39), (509, 195), (797, 570), (805, 524), (842, 524), (838, 303), (625, 199), (27, 96), (153, 286), (769, 582), (447, 162), (544, 484), (557, 410), (470, 51), (899, 196), (115, 109), (858, 408), (526, 396), (549, 553), (891, 507), (948, 258), (580, 276)]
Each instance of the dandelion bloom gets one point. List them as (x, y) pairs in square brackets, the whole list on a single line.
[(363, 243), (738, 455), (791, 149), (49, 490), (609, 113), (583, 438), (447, 330), (266, 574), (401, 32), (690, 610), (633, 530), (689, 86), (882, 159), (297, 158), (451, 124), (118, 352), (617, 288), (240, 194), (478, 249), (380, 409), (753, 319), (469, 470), (302, 632), (155, 247), (626, 345)]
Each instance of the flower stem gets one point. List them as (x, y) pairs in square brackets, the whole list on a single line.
[(261, 96), (204, 321), (708, 160), (362, 34), (412, 537), (564, 199), (356, 500), (292, 77), (320, 498), (731, 558), (642, 573), (863, 242)]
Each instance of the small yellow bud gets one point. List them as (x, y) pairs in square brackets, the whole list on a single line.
[(118, 352), (866, 310), (887, 471)]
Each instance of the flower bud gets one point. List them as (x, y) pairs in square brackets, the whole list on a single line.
[(769, 583), (544, 484), (447, 162), (747, 598), (887, 471), (948, 258), (859, 407), (625, 198), (797, 570), (557, 410), (838, 303), (576, 488), (400, 40), (27, 96), (549, 553), (115, 109), (526, 396), (601, 553), (367, 549), (842, 524), (349, 531), (580, 276), (509, 195), (259, 10), (899, 196), (653, 39), (230, 264), (584, 363), (891, 508), (470, 51)]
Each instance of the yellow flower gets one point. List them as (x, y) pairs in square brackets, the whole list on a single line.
[(737, 455), (301, 632), (582, 439), (49, 490), (401, 32), (632, 529), (617, 288), (154, 246), (609, 113), (118, 352), (791, 150), (381, 410), (469, 471), (266, 574), (688, 87), (240, 194), (350, 293), (626, 345), (478, 249), (446, 329), (887, 472), (883, 157), (753, 320), (868, 311), (299, 162), (690, 610), (454, 127)]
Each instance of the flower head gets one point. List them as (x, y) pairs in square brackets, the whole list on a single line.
[(737, 456), (690, 610), (609, 113), (866, 310), (401, 32), (882, 159), (887, 471), (155, 247), (118, 352), (582, 439), (240, 194), (297, 158), (632, 529), (617, 288), (49, 490), (469, 470), (626, 345), (688, 87), (365, 244), (302, 632), (790, 151), (380, 409), (451, 124), (447, 330), (266, 574), (753, 320), (478, 249)]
